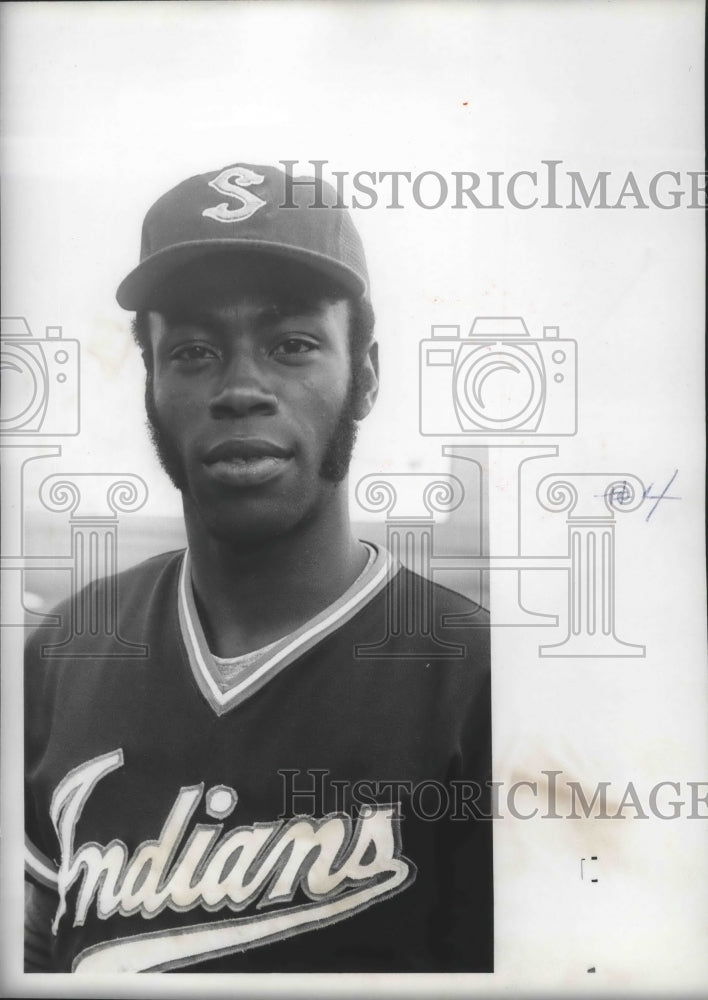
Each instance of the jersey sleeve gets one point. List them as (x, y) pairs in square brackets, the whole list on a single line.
[(39, 910)]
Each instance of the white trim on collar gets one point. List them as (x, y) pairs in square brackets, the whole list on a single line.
[(285, 651)]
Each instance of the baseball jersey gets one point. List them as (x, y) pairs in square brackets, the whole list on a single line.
[(314, 807)]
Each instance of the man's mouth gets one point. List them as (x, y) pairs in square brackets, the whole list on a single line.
[(243, 462)]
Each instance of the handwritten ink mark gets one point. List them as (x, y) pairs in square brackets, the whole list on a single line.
[(663, 496), (620, 493), (617, 493)]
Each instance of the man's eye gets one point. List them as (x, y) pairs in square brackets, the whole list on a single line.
[(193, 352), (295, 345)]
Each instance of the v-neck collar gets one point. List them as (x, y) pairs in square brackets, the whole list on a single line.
[(279, 655)]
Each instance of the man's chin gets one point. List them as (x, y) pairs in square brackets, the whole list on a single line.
[(249, 520)]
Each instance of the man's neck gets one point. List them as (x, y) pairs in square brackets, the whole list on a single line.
[(250, 595)]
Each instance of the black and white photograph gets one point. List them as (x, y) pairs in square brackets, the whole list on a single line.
[(353, 458)]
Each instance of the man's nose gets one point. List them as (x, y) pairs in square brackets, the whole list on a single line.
[(243, 390)]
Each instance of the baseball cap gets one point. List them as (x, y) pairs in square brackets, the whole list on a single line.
[(246, 207)]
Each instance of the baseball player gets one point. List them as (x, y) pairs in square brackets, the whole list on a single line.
[(288, 780)]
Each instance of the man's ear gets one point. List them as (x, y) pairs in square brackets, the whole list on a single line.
[(367, 382)]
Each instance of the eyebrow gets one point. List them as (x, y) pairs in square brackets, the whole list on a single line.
[(284, 309)]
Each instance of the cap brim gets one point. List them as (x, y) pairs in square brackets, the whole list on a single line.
[(135, 291)]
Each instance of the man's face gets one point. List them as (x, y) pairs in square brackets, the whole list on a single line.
[(251, 397)]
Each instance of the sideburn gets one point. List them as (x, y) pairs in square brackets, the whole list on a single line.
[(169, 456)]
